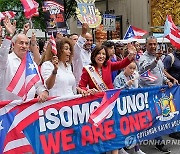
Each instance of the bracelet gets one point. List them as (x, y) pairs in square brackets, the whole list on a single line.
[(54, 72)]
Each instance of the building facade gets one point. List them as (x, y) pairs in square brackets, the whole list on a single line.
[(144, 14)]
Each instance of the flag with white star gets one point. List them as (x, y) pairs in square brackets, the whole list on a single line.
[(148, 75), (134, 32), (25, 77)]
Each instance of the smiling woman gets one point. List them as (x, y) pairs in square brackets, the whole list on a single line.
[(97, 75), (57, 71)]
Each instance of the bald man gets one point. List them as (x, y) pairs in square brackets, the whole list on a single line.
[(82, 52)]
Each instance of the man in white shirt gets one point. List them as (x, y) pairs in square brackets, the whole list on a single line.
[(9, 64), (82, 52)]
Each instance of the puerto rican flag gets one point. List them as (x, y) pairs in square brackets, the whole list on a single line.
[(171, 32), (17, 115), (25, 77), (148, 75), (11, 143), (10, 14), (30, 8), (134, 32), (106, 106)]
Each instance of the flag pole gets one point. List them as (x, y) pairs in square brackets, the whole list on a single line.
[(31, 24), (162, 43)]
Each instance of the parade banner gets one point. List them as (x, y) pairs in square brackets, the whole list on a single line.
[(60, 125), (54, 15)]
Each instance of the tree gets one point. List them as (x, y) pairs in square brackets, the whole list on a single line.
[(38, 22)]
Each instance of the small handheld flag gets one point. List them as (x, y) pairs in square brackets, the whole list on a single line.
[(53, 45), (148, 75)]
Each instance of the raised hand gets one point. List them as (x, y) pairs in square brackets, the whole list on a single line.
[(26, 28), (132, 51), (10, 27), (33, 39), (84, 29)]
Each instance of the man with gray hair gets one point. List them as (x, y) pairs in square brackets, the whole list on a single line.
[(151, 60), (9, 64)]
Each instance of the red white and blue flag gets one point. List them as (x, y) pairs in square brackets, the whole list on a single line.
[(12, 140), (53, 45), (16, 116), (134, 32), (148, 75), (30, 8), (106, 106), (25, 77), (48, 5), (171, 32)]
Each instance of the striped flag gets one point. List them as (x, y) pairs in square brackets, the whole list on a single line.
[(171, 32), (25, 77), (53, 45), (17, 115), (148, 75), (134, 32), (10, 14), (106, 106), (30, 8), (13, 140)]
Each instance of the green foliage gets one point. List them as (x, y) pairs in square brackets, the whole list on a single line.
[(70, 6), (38, 22)]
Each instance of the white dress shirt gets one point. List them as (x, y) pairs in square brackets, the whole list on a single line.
[(81, 58), (65, 84), (9, 64)]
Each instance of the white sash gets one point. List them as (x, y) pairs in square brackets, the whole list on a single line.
[(97, 80)]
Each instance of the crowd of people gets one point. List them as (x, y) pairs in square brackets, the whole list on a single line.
[(81, 68)]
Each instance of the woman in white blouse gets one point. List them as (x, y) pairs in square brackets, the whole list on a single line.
[(57, 72)]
